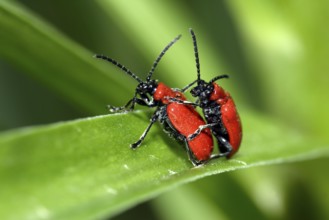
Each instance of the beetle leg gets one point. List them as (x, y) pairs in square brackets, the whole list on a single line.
[(191, 157), (145, 102), (131, 105), (188, 86), (199, 130), (185, 88), (153, 119), (122, 108), (125, 107), (179, 101), (224, 143)]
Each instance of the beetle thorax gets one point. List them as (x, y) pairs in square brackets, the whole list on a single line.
[(162, 93), (202, 91), (217, 93)]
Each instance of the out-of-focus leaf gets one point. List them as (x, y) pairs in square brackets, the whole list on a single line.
[(287, 46), (48, 56)]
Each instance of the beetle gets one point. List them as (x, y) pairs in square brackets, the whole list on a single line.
[(179, 121), (218, 109)]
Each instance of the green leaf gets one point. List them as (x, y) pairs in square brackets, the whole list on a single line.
[(57, 62), (187, 203), (85, 169)]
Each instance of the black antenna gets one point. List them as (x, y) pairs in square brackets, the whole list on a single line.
[(122, 67), (196, 53), (218, 77), (148, 78)]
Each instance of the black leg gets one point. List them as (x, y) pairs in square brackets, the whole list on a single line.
[(191, 157), (126, 107), (188, 86), (140, 140), (225, 144), (199, 130), (131, 105), (179, 101), (122, 108), (146, 102)]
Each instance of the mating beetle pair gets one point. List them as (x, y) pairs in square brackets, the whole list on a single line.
[(179, 117)]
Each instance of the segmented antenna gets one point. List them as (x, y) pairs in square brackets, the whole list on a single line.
[(122, 67), (148, 78), (218, 77), (196, 53)]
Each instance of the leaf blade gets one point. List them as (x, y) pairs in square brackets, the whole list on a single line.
[(88, 164)]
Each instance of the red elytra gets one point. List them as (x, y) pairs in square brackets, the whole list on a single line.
[(162, 93), (185, 119), (229, 116)]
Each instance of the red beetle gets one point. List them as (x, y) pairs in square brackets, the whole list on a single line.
[(179, 121), (219, 111), (221, 115)]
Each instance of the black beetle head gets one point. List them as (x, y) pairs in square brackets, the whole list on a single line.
[(147, 88), (202, 90)]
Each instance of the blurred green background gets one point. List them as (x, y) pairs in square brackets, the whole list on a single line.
[(276, 53)]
